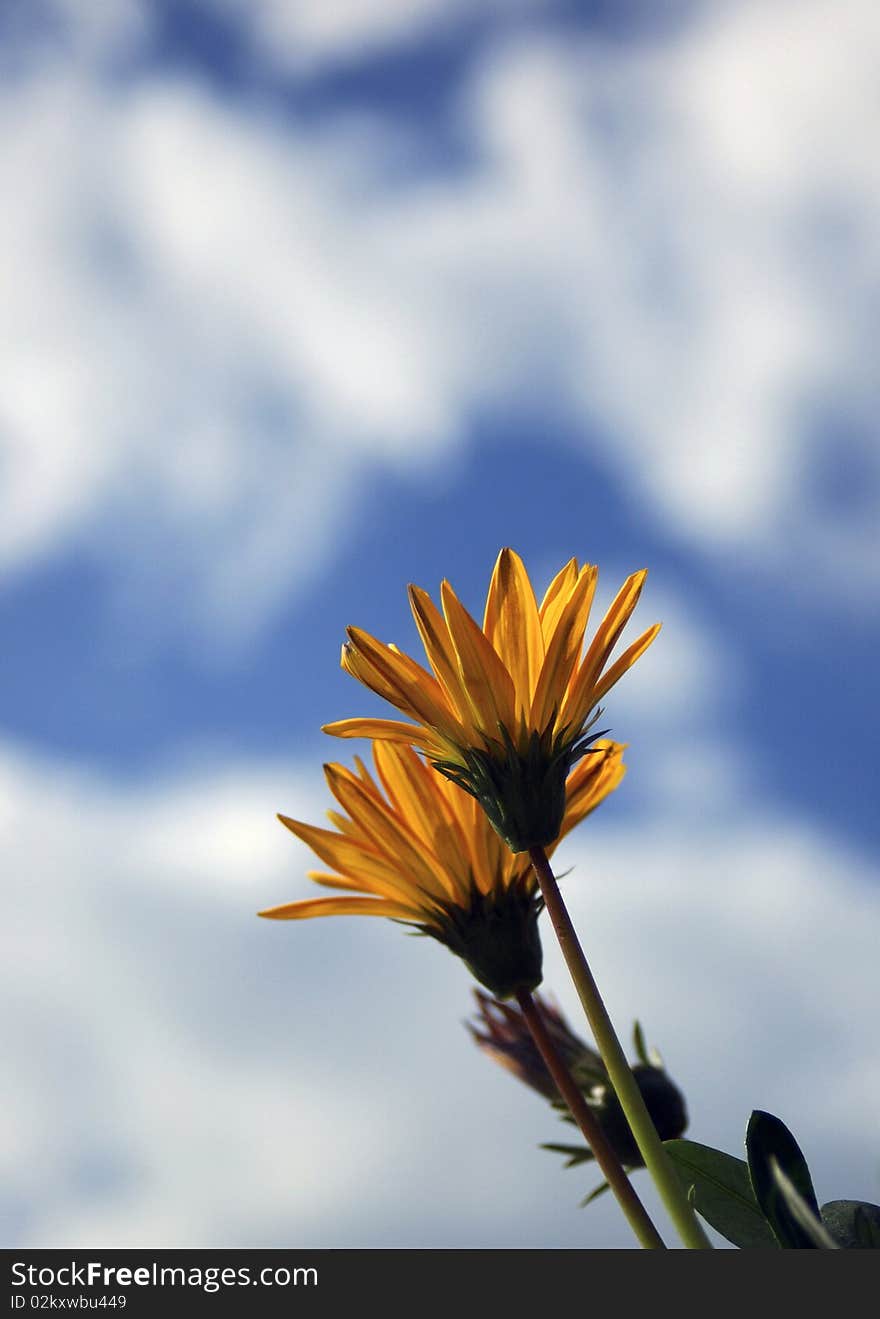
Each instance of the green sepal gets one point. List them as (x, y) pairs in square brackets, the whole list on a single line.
[(497, 938), (721, 1191), (650, 1057), (768, 1139), (576, 1154), (594, 1194), (522, 792)]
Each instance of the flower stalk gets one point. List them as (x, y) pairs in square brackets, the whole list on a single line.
[(650, 1145), (635, 1212)]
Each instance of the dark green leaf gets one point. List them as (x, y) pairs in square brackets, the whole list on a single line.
[(594, 1194), (721, 1191), (575, 1153), (769, 1139), (854, 1224)]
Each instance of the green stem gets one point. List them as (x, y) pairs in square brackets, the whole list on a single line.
[(635, 1211), (656, 1159)]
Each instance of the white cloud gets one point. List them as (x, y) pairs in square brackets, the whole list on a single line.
[(314, 35), (93, 33), (217, 325), (188, 1075), (219, 392), (700, 324), (317, 35)]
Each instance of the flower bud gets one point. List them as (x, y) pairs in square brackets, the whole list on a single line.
[(502, 1033)]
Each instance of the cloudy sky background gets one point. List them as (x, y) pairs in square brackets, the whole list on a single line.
[(304, 302)]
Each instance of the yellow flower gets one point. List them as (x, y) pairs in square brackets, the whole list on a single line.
[(415, 848), (508, 708)]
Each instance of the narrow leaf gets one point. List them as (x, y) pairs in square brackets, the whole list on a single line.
[(594, 1194), (575, 1153)]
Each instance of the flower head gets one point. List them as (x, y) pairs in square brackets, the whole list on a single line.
[(507, 710), (408, 844), (501, 1032)]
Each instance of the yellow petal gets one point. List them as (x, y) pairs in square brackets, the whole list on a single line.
[(416, 793), (342, 823), (580, 699), (404, 776), (488, 684), (352, 662), (335, 772), (513, 627), (563, 650), (389, 833), (594, 778), (626, 661), (485, 847), (412, 788), (355, 860), (336, 881), (400, 680), (297, 911), (439, 648), (556, 597), (386, 730)]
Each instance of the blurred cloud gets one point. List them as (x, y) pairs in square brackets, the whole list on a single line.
[(218, 319), (315, 35)]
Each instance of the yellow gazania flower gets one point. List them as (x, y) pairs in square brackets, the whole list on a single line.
[(507, 710), (415, 848)]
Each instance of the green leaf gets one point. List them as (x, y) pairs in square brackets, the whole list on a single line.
[(575, 1153), (594, 1194), (854, 1224), (719, 1188), (768, 1139), (800, 1211)]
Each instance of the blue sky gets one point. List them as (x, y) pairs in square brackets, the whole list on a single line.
[(305, 303)]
